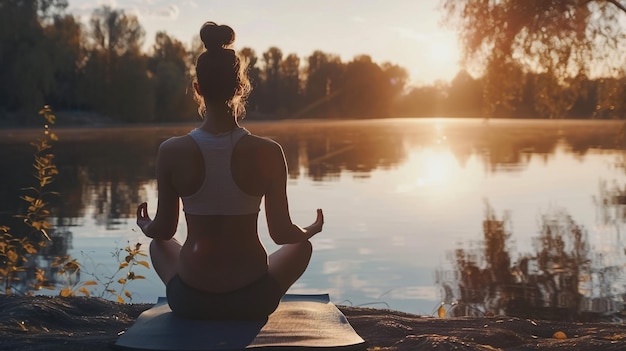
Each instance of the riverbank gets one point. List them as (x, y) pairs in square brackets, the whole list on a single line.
[(79, 323)]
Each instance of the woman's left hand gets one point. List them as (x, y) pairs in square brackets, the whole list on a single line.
[(143, 219)]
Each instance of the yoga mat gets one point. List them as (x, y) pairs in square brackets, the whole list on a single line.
[(301, 322)]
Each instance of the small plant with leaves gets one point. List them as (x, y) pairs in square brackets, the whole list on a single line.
[(36, 216), (115, 285), (15, 249), (13, 253), (70, 269), (131, 260)]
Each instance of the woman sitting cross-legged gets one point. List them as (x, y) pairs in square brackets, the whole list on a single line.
[(221, 172)]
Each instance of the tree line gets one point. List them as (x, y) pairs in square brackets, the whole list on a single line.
[(561, 42), (48, 57)]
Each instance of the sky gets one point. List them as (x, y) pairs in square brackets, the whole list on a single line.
[(407, 33)]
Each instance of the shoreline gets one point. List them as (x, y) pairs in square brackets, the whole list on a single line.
[(89, 323), (72, 120)]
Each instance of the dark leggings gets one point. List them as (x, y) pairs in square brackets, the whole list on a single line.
[(252, 302)]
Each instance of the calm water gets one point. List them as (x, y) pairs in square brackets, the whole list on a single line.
[(515, 217)]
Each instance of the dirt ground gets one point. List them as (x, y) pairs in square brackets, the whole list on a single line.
[(79, 323)]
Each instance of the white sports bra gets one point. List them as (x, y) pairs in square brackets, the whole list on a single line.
[(219, 195)]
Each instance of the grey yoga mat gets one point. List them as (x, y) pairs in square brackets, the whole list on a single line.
[(301, 322)]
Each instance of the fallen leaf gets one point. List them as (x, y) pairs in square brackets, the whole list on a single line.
[(441, 312)]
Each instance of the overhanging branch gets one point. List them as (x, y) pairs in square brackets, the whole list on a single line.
[(618, 4)]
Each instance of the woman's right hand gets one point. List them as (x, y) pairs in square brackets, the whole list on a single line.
[(143, 219), (316, 227)]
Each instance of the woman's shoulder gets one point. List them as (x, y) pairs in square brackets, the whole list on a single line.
[(176, 144), (253, 140), (176, 141), (260, 148)]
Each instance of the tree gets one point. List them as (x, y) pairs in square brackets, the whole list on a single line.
[(26, 71), (611, 98), (396, 76), (567, 36), (289, 88), (503, 81), (423, 101), (587, 101), (114, 32), (132, 96), (552, 98), (563, 38), (169, 49), (116, 77), (366, 90), (323, 75), (254, 74), (464, 96), (67, 52), (272, 60), (168, 65)]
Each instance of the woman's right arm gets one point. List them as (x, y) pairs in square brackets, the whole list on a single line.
[(281, 229), (163, 227)]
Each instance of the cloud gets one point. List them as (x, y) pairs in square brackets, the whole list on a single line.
[(143, 9), (166, 12), (410, 33), (190, 3)]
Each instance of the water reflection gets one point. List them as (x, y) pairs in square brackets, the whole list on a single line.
[(109, 167), (564, 279), (398, 191), (59, 245), (611, 203)]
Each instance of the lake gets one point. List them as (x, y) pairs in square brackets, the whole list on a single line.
[(519, 217)]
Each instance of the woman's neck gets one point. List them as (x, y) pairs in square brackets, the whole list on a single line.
[(218, 122)]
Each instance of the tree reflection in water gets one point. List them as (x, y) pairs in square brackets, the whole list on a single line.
[(105, 172), (562, 280), (59, 245)]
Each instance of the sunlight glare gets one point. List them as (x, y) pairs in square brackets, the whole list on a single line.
[(429, 168), (437, 166), (441, 51)]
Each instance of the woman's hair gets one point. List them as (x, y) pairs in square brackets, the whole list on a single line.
[(221, 73)]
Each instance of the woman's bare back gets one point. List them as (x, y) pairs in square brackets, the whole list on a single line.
[(222, 253)]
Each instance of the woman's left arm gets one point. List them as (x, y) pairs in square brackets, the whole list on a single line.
[(163, 227)]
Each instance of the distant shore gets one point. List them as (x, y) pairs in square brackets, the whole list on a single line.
[(81, 323), (86, 119)]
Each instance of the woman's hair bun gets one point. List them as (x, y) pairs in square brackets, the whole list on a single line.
[(216, 36)]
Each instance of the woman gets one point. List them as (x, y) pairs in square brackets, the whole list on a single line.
[(221, 172)]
